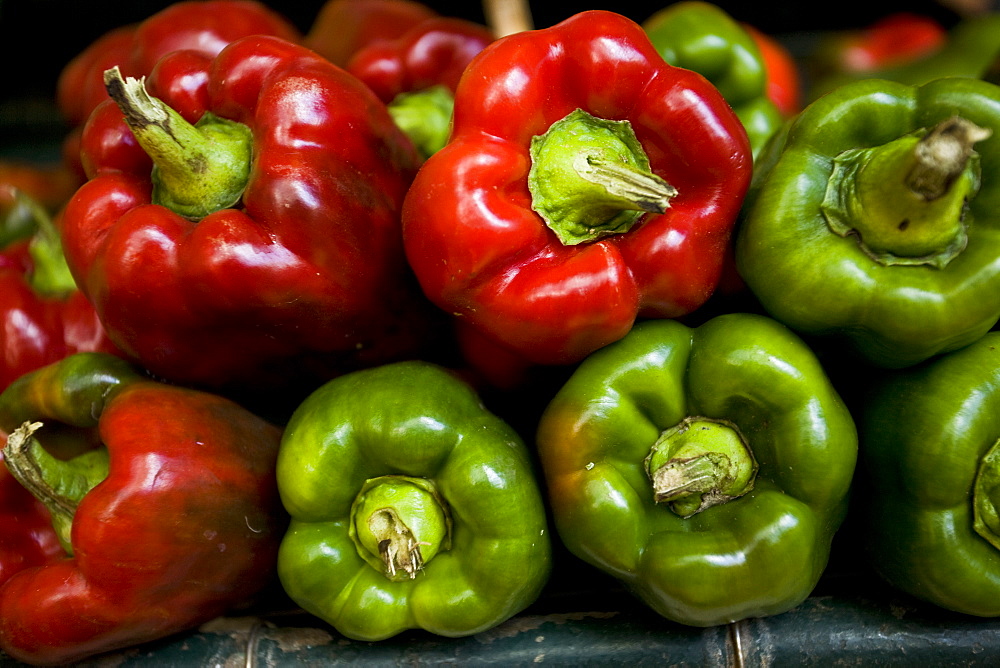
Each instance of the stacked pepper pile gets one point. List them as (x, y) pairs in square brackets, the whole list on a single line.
[(278, 321)]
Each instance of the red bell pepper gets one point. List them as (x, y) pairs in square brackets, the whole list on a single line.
[(294, 270), (434, 52), (417, 73), (342, 27), (205, 26), (43, 316), (495, 230), (171, 520), (202, 25)]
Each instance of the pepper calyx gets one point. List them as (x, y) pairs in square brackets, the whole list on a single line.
[(197, 169), (986, 497), (699, 463), (398, 524), (425, 117), (58, 484), (906, 201), (590, 178)]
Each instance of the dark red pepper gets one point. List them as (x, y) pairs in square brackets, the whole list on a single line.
[(170, 518), (301, 276), (554, 292)]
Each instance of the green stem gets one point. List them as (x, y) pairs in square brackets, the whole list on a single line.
[(198, 169), (905, 201), (986, 497), (58, 484), (591, 178), (399, 523), (700, 463)]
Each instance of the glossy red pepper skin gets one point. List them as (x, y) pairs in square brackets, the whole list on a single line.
[(342, 27), (28, 537), (185, 526), (482, 253), (305, 278), (434, 52)]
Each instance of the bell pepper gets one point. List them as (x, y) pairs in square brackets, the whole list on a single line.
[(287, 262), (970, 49), (202, 25), (586, 183), (703, 37), (171, 519), (858, 230), (931, 458), (412, 507), (43, 316), (706, 468), (342, 27), (417, 73)]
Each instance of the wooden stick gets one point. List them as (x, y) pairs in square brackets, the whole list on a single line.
[(506, 17)]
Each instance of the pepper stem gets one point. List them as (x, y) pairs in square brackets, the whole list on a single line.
[(986, 497), (198, 169), (942, 155), (700, 463), (591, 178), (58, 484), (399, 523), (906, 201)]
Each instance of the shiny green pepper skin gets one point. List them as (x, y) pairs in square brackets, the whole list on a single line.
[(470, 504), (929, 438), (892, 309), (758, 554)]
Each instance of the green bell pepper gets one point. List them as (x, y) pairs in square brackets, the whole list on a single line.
[(412, 507), (972, 49), (702, 37), (930, 443), (858, 227), (706, 468)]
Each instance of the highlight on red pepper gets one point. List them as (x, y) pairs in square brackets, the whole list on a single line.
[(417, 73), (43, 316), (586, 183), (169, 514), (280, 257)]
